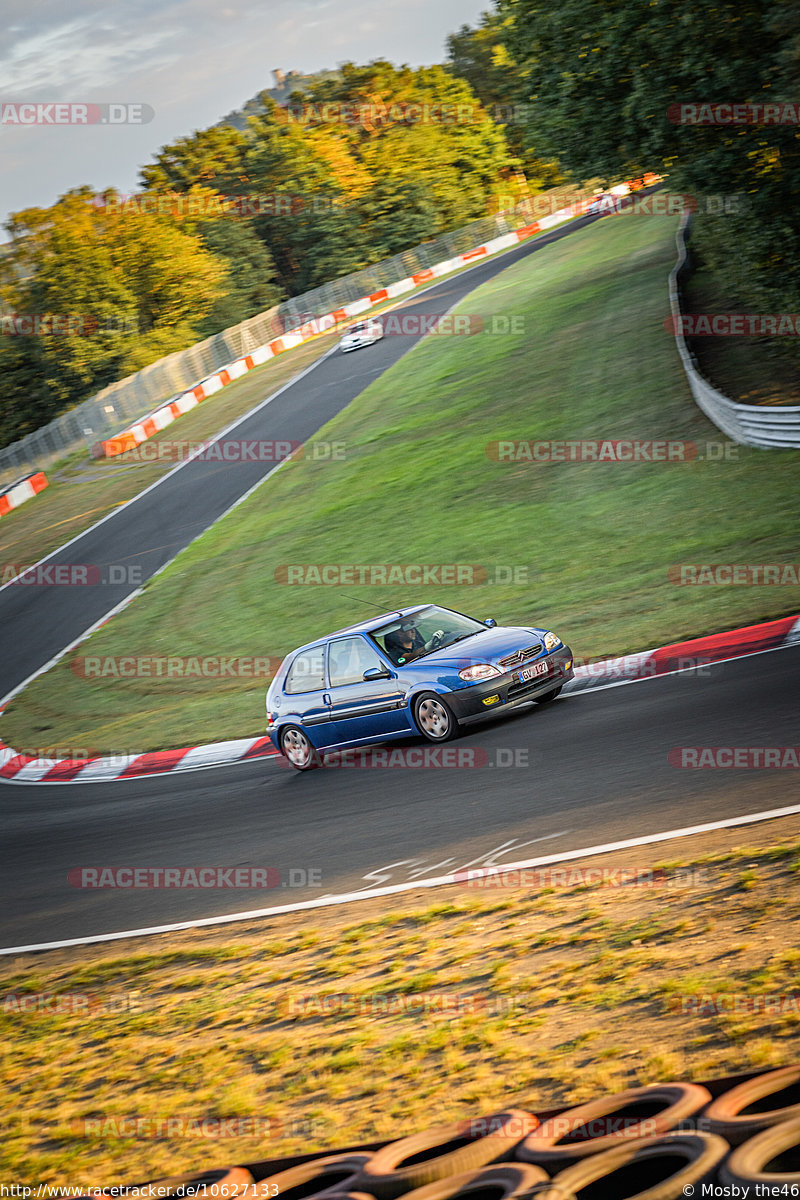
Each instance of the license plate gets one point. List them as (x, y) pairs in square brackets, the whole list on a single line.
[(527, 673)]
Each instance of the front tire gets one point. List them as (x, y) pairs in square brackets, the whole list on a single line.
[(434, 718), (297, 749)]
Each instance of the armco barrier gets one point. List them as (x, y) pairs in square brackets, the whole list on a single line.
[(764, 427), (24, 489)]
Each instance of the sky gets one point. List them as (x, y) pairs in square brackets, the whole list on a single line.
[(187, 63)]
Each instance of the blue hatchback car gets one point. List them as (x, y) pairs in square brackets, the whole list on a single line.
[(423, 670)]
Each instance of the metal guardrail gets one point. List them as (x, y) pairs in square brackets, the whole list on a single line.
[(129, 400), (766, 427)]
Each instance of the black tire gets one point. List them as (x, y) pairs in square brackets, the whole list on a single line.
[(507, 1181), (413, 1162), (329, 1173), (660, 1168), (727, 1115), (548, 696), (297, 749), (775, 1148), (611, 1121), (433, 713)]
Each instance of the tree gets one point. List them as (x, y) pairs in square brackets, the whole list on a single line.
[(128, 286), (210, 157), (605, 79), (481, 56), (250, 286)]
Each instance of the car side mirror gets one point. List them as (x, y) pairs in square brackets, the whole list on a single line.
[(377, 673), (490, 622)]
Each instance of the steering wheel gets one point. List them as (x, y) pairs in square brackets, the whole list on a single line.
[(437, 639)]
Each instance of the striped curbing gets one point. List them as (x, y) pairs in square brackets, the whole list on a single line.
[(24, 489), (20, 767)]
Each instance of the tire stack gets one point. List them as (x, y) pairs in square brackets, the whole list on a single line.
[(658, 1142)]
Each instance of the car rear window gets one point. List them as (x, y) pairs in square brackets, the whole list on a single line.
[(307, 672)]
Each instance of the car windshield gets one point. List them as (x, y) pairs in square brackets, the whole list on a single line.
[(393, 638), (357, 328)]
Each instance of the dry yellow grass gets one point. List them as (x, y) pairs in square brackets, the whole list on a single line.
[(552, 997)]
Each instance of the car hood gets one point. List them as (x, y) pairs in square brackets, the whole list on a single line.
[(488, 646)]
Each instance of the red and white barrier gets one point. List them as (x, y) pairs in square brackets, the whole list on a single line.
[(164, 416), (143, 430), (715, 647), (26, 489)]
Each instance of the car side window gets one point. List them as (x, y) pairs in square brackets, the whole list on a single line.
[(307, 672), (348, 659)]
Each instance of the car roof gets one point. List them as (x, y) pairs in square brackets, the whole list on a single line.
[(368, 625)]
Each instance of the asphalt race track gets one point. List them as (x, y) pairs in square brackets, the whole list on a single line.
[(589, 769)]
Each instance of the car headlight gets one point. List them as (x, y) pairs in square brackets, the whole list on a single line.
[(479, 671), (551, 641)]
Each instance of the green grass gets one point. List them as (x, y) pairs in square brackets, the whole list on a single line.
[(593, 359), (82, 491)]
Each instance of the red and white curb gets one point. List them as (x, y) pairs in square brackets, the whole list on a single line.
[(24, 490), (630, 668)]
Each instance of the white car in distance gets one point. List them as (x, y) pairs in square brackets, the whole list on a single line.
[(363, 333)]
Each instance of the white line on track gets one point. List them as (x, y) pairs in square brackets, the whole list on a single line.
[(400, 888)]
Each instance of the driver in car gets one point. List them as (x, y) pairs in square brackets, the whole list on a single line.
[(408, 643)]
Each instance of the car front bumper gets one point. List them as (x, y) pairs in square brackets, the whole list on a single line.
[(480, 700)]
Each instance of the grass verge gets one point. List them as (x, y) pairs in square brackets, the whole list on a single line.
[(556, 994), (592, 542)]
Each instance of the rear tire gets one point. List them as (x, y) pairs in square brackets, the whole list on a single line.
[(434, 718), (297, 749)]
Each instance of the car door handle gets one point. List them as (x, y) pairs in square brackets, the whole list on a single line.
[(326, 698)]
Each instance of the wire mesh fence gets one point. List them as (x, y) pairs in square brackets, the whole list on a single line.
[(128, 400)]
